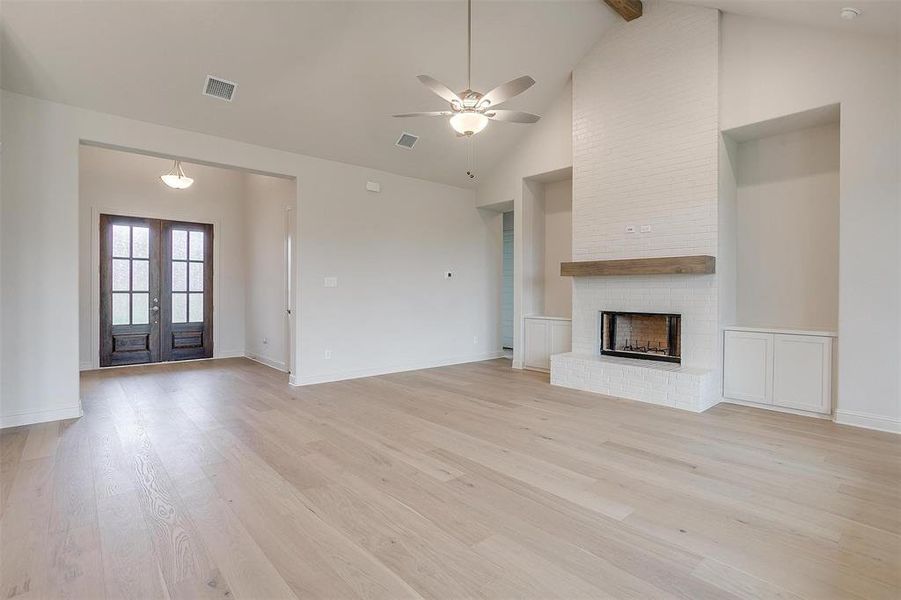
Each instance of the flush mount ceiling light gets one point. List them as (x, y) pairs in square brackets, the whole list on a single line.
[(176, 178), (470, 111), (849, 13)]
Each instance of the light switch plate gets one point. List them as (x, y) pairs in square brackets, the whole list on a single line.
[(630, 228), (645, 228), (373, 186), (330, 282)]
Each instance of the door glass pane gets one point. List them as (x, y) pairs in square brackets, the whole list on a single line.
[(140, 277), (179, 244), (120, 309), (179, 308), (195, 308), (140, 242), (120, 240), (120, 274), (140, 315), (196, 280), (196, 245), (179, 276)]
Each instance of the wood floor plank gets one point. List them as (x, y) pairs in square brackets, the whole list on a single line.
[(218, 479)]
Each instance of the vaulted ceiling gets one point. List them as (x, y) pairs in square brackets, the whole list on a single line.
[(318, 78), (323, 78)]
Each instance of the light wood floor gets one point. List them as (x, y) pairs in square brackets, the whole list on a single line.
[(216, 479)]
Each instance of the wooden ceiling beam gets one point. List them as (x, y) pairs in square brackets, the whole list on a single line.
[(627, 9)]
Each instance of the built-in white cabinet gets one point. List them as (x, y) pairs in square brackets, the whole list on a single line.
[(789, 369), (748, 366), (545, 336)]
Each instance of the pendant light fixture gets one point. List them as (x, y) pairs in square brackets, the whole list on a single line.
[(176, 178)]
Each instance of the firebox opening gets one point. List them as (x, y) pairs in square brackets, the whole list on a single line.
[(648, 336)]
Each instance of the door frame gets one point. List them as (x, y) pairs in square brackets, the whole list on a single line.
[(96, 211)]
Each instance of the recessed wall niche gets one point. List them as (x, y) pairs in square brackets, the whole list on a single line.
[(785, 220)]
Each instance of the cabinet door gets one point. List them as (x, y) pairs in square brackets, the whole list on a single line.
[(536, 354), (561, 337), (803, 372), (748, 366)]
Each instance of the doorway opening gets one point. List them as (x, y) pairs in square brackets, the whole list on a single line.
[(183, 274), (507, 286)]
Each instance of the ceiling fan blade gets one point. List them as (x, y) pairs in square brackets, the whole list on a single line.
[(512, 116), (434, 113), (439, 88), (504, 92)]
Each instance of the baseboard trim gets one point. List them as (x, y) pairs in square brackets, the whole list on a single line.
[(345, 375), (868, 421), (517, 364), (41, 416), (774, 408), (86, 366), (263, 360)]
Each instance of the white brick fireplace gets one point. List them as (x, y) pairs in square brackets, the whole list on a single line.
[(645, 139)]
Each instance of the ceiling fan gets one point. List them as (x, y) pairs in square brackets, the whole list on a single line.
[(470, 111)]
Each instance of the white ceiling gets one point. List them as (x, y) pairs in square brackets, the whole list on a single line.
[(319, 78), (879, 17), (323, 78)]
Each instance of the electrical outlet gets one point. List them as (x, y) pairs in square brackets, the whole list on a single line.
[(328, 355), (630, 228), (265, 340), (330, 282), (645, 228)]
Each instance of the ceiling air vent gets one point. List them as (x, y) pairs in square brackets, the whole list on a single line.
[(219, 88), (406, 141)]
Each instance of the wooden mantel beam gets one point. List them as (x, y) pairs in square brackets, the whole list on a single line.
[(627, 9)]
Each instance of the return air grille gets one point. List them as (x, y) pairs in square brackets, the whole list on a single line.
[(406, 140), (219, 88)]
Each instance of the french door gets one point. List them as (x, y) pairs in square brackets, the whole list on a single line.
[(156, 290)]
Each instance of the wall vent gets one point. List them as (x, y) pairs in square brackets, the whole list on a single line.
[(406, 141), (219, 88)]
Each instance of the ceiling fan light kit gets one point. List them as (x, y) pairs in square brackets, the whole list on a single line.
[(470, 111)]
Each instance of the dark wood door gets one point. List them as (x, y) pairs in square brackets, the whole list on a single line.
[(186, 315), (129, 290), (156, 290)]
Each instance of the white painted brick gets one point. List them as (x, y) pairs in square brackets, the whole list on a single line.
[(645, 127)]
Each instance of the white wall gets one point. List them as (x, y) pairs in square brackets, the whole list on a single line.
[(267, 201), (123, 183), (770, 69), (392, 309), (547, 147), (787, 230), (558, 239), (645, 153)]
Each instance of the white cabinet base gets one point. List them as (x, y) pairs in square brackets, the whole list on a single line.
[(791, 371), (545, 336)]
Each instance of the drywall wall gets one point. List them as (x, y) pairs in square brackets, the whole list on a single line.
[(771, 69), (127, 184), (546, 148), (268, 202), (787, 230), (392, 310), (558, 238)]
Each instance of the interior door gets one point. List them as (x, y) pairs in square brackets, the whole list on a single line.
[(129, 284), (186, 315)]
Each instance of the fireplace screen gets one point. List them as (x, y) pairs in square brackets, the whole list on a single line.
[(650, 336)]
